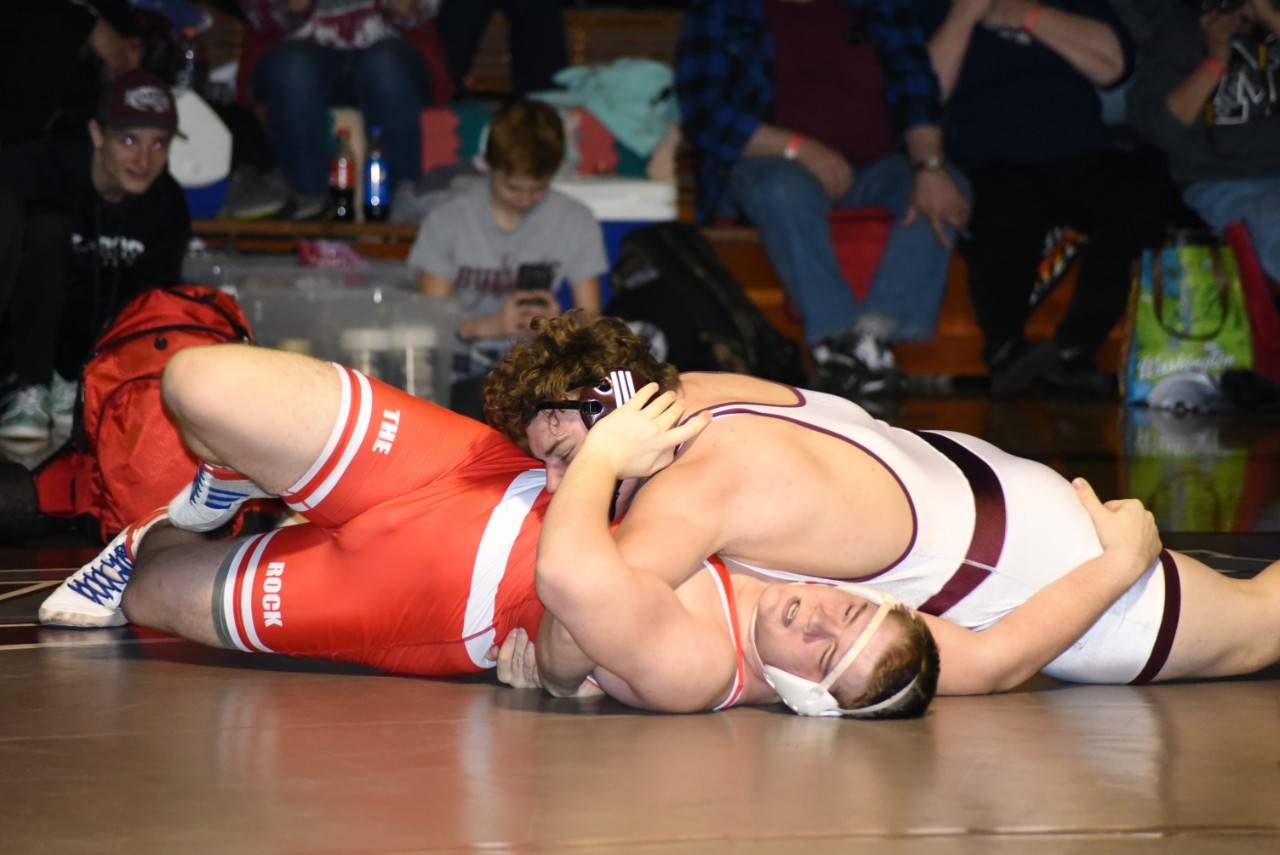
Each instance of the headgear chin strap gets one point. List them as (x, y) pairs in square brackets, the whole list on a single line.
[(806, 697)]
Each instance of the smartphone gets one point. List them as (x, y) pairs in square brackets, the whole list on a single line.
[(533, 277)]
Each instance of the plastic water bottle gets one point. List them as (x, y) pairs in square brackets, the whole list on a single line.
[(377, 187), (342, 179), (193, 67)]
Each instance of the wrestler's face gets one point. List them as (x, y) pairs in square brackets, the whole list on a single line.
[(554, 438), (806, 629), (129, 160)]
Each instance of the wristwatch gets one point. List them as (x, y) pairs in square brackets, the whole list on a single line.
[(929, 164)]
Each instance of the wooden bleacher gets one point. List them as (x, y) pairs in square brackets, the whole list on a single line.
[(600, 35)]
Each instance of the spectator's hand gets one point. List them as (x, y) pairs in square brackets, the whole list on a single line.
[(517, 664), (936, 197), (1124, 527), (299, 7), (521, 308), (1219, 29), (973, 10), (118, 53), (402, 8), (1266, 13), (827, 165), (1007, 14)]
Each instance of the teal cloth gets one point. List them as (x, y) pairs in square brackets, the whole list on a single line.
[(633, 98)]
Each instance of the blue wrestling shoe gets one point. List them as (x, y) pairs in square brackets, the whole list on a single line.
[(90, 597), (213, 499)]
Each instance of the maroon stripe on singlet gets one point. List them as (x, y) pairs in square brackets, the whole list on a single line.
[(1168, 622), (989, 521)]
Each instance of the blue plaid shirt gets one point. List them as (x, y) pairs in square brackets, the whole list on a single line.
[(724, 77)]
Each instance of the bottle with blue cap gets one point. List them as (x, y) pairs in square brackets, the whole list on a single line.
[(377, 186)]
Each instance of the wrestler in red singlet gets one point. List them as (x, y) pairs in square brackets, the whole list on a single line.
[(419, 550)]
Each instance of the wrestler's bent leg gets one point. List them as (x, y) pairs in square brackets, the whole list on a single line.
[(264, 413), (1226, 626), (172, 585)]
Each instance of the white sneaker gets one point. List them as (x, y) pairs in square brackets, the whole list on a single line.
[(90, 597), (26, 414), (62, 401), (212, 499)]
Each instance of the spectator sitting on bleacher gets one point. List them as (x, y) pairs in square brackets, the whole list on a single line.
[(785, 102), (304, 56), (1024, 120), (507, 232), (87, 221), (1209, 96), (535, 39)]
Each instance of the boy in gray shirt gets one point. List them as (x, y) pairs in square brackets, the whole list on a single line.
[(508, 229)]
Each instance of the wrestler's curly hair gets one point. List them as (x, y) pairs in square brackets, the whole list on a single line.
[(564, 354), (916, 653)]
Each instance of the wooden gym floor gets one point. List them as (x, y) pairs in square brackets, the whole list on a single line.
[(125, 742)]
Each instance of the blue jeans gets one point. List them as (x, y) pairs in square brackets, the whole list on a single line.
[(299, 81), (786, 203), (1254, 200)]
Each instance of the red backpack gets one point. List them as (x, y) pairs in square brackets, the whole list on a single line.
[(125, 457)]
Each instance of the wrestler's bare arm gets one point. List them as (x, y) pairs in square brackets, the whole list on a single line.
[(685, 512), (1038, 631), (627, 621)]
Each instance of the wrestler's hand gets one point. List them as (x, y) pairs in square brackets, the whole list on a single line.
[(1125, 527), (517, 664), (640, 437)]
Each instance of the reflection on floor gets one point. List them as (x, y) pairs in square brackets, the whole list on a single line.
[(127, 741)]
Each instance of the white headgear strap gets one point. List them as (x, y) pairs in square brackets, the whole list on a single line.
[(815, 699)]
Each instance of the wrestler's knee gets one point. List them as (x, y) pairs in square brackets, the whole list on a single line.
[(198, 381)]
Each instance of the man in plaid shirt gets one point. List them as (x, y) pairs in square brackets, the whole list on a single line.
[(800, 106)]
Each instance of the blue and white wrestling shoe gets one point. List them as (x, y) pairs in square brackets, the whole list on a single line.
[(213, 499), (90, 597)]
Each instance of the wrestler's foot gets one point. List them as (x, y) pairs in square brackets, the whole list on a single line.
[(212, 499), (90, 597)]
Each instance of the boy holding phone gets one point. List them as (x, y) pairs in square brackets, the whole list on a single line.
[(502, 246)]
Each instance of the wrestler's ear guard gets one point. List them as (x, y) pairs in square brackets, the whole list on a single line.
[(610, 393), (805, 697), (603, 398)]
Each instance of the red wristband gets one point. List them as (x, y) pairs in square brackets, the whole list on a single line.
[(1033, 15), (1219, 70), (792, 148)]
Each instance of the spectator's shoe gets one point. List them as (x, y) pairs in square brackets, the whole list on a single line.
[(62, 402), (1015, 371), (212, 499), (856, 366), (310, 208), (1074, 374), (26, 414), (90, 597), (252, 195)]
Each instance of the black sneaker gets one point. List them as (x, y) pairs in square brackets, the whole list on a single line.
[(855, 367), (1076, 375), (1016, 369)]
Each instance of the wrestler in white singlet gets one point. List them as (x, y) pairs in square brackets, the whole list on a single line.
[(991, 529)]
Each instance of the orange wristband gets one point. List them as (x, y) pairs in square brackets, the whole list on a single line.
[(1219, 70), (792, 148), (1033, 15)]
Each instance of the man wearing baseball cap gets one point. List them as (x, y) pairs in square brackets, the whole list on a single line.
[(87, 221)]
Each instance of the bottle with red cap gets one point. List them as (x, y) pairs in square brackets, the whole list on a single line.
[(342, 178)]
